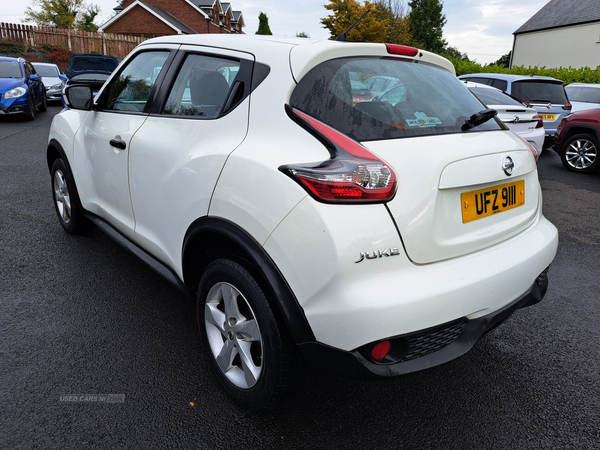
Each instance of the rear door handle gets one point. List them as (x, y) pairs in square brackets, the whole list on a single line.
[(118, 144)]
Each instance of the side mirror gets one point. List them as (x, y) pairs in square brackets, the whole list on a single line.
[(34, 77), (79, 97), (63, 77)]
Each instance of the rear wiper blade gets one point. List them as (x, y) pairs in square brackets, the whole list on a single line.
[(478, 118)]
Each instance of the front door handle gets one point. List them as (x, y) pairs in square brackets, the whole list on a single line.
[(118, 144)]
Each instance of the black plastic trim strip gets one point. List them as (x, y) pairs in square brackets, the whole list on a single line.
[(153, 263)]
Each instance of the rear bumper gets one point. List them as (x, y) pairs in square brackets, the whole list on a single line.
[(447, 342)]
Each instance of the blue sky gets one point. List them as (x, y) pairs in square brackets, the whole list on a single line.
[(482, 29)]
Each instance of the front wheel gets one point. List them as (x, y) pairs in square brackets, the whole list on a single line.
[(31, 109), (250, 352), (580, 153), (66, 200), (44, 105)]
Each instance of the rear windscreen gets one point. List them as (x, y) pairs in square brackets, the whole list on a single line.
[(493, 97), (583, 94), (386, 98), (539, 92)]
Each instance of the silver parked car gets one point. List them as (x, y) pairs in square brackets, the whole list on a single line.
[(53, 79), (520, 119), (583, 96), (545, 94)]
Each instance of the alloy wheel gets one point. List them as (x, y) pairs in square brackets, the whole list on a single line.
[(581, 154), (234, 336), (62, 196)]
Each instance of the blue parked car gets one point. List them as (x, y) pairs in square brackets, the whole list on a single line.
[(21, 88)]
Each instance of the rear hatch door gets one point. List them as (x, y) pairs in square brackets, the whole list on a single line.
[(454, 196)]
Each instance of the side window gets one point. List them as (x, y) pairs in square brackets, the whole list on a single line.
[(28, 69), (202, 86), (480, 80), (131, 89), (500, 84)]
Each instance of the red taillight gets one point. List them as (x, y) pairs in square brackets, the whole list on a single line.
[(381, 350), (540, 122), (568, 106), (402, 50), (352, 175)]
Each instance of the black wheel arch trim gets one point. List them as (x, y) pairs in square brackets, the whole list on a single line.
[(285, 300), (576, 128)]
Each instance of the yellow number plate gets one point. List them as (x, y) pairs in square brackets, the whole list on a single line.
[(493, 200), (548, 116)]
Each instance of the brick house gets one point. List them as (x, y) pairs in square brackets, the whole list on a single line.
[(151, 18)]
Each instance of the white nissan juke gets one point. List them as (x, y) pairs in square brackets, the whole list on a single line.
[(370, 234)]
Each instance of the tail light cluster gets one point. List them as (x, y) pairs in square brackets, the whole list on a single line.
[(351, 175), (530, 147), (540, 121)]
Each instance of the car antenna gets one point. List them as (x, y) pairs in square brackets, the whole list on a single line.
[(344, 36)]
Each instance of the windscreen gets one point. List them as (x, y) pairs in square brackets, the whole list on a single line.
[(386, 98), (10, 69), (539, 92), (583, 94)]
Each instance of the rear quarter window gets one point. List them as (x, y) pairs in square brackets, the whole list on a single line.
[(386, 98)]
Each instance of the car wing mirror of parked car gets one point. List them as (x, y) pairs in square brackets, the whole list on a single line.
[(79, 96), (33, 77), (63, 77)]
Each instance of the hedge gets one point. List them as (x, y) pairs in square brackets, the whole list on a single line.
[(567, 74)]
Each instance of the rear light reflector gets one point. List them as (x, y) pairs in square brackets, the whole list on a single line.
[(402, 50), (381, 350), (540, 121), (568, 106), (352, 174)]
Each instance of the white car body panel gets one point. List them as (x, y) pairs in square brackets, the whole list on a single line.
[(174, 158), (105, 168), (349, 304), (429, 218)]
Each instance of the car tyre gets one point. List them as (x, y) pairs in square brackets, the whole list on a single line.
[(249, 350), (31, 109), (580, 153), (44, 105), (66, 200)]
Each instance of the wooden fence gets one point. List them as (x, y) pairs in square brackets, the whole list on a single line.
[(117, 45)]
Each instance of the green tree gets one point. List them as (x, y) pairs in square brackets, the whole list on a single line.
[(504, 60), (85, 19), (454, 53), (66, 14), (302, 34), (427, 24), (346, 12), (393, 13), (263, 25)]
